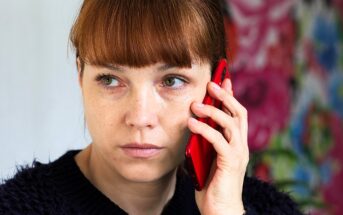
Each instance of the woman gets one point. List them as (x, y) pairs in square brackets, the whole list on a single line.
[(144, 68)]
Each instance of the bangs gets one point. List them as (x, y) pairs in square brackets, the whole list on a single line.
[(139, 33)]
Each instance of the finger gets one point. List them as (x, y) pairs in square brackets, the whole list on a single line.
[(227, 86), (210, 134), (231, 106), (228, 101), (230, 126), (218, 141), (220, 117)]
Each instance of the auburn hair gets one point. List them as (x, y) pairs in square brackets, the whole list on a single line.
[(142, 32)]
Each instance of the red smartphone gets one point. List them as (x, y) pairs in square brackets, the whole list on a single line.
[(199, 152)]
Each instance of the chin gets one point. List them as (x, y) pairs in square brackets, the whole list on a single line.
[(146, 173)]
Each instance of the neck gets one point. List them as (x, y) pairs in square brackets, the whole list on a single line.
[(133, 197)]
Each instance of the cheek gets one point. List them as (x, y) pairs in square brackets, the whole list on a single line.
[(176, 115), (177, 118), (99, 115), (94, 117)]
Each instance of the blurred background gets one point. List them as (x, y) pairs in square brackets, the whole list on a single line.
[(286, 59), (287, 65), (41, 112)]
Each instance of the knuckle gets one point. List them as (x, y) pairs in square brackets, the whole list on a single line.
[(244, 112), (235, 132), (222, 95), (218, 136), (211, 111)]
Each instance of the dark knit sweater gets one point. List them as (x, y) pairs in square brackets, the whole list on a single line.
[(60, 188)]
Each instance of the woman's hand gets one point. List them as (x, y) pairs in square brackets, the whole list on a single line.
[(223, 191)]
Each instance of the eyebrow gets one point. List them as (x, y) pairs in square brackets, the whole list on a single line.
[(114, 67), (165, 67), (118, 68)]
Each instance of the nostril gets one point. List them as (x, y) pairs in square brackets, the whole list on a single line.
[(141, 119)]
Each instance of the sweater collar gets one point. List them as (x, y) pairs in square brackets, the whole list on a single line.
[(81, 194)]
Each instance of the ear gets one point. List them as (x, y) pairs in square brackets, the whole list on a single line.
[(79, 71)]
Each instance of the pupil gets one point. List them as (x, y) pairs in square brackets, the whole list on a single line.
[(108, 81), (170, 81)]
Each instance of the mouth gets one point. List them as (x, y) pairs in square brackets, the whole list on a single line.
[(140, 150)]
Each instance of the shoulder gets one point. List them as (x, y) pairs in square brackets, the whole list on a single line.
[(23, 191), (31, 191), (263, 197)]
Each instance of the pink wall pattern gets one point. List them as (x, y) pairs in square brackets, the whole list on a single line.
[(287, 69)]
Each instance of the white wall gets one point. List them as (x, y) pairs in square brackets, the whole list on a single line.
[(41, 112)]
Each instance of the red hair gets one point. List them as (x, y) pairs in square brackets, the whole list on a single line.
[(142, 32)]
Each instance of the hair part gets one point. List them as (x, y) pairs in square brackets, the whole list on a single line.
[(143, 32)]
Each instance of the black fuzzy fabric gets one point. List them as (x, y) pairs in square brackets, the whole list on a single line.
[(59, 188)]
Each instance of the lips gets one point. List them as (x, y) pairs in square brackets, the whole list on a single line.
[(137, 150)]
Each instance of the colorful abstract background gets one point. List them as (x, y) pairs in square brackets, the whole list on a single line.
[(286, 61)]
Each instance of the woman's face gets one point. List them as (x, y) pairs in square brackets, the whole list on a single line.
[(137, 117)]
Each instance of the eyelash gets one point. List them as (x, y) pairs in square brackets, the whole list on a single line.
[(101, 77), (183, 79)]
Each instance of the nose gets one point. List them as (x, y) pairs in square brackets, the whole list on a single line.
[(142, 109)]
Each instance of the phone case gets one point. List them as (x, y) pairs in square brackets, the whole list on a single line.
[(199, 152)]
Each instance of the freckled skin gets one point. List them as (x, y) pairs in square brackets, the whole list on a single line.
[(140, 109)]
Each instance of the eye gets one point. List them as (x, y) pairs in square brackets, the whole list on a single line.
[(173, 82), (107, 80)]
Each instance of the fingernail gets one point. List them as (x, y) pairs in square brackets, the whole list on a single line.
[(199, 105), (230, 84), (215, 86), (192, 120)]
